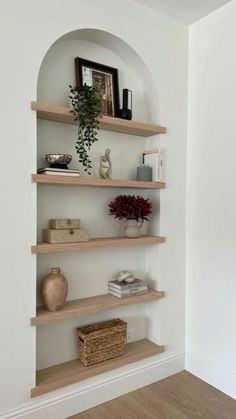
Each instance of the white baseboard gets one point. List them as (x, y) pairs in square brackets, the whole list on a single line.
[(211, 372), (70, 402)]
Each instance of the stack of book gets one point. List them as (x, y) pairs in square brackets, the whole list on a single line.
[(61, 172), (125, 289)]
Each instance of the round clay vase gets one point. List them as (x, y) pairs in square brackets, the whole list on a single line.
[(132, 229), (54, 290)]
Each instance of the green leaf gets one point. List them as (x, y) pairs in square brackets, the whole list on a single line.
[(86, 107)]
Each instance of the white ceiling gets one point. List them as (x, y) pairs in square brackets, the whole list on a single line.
[(186, 11)]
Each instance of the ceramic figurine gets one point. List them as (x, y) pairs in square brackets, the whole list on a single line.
[(105, 165)]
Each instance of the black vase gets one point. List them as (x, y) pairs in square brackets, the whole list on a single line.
[(125, 112)]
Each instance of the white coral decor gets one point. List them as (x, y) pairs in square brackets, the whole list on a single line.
[(125, 276)]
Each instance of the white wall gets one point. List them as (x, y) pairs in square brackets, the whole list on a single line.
[(211, 203), (27, 31)]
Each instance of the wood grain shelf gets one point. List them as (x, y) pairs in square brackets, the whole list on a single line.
[(43, 247), (62, 375), (108, 123), (97, 182), (82, 306)]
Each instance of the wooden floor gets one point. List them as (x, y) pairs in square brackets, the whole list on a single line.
[(181, 396)]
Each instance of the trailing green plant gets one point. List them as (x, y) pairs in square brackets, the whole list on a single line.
[(86, 107)]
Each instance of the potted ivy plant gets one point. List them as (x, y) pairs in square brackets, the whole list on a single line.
[(86, 107), (134, 208)]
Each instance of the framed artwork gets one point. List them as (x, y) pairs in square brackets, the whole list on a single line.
[(104, 79)]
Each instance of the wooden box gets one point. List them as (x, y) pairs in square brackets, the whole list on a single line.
[(101, 341), (65, 236), (64, 224)]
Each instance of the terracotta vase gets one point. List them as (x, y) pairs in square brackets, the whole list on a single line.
[(54, 290), (132, 229)]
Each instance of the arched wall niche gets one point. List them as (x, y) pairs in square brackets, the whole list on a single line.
[(104, 47), (90, 205)]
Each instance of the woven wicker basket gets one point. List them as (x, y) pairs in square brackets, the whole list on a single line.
[(101, 341)]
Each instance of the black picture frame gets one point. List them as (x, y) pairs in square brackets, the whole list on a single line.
[(104, 78)]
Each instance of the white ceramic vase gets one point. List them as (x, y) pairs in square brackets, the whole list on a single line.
[(132, 229)]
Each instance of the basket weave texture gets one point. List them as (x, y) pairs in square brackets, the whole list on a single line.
[(64, 224), (101, 341), (65, 236)]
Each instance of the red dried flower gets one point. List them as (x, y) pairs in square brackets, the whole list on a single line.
[(130, 207)]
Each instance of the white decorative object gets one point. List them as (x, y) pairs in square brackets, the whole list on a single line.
[(130, 279), (105, 167), (125, 276), (154, 158)]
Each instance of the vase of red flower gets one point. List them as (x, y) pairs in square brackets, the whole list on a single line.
[(134, 208)]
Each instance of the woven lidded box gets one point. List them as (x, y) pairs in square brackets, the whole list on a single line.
[(65, 236), (101, 341), (63, 224)]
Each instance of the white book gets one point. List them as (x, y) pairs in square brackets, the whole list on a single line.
[(154, 159), (127, 292), (127, 285), (47, 172), (58, 170), (130, 295)]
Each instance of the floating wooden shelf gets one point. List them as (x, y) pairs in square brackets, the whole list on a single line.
[(96, 243), (108, 183), (93, 304), (62, 375), (108, 123)]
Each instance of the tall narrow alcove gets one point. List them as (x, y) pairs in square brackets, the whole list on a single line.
[(88, 271)]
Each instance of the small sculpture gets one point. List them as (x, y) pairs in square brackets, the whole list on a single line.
[(105, 170), (125, 276)]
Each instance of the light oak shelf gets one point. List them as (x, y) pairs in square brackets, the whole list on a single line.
[(43, 247), (97, 182), (108, 123), (61, 375), (93, 304)]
